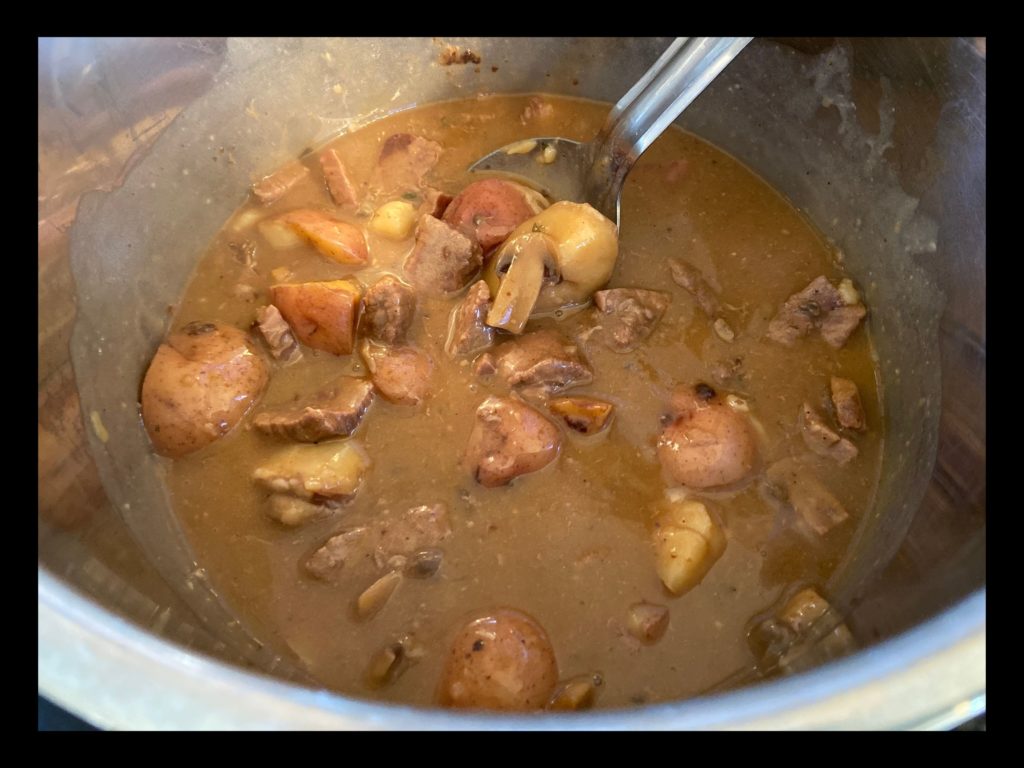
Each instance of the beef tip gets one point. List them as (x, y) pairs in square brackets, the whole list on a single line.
[(804, 311), (840, 324), (346, 547), (435, 202), (542, 361), (509, 439), (415, 529), (278, 334), (388, 537), (403, 162), (629, 315), (271, 188), (442, 260), (292, 511), (468, 330), (819, 305), (401, 374), (846, 399), (485, 365), (333, 412), (536, 109), (689, 277), (822, 439), (341, 189), (388, 309), (815, 506)]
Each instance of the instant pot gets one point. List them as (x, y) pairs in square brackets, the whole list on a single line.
[(147, 146)]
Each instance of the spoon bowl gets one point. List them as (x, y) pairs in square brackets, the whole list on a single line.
[(594, 172)]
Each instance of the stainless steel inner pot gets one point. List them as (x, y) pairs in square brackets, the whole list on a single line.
[(146, 146)]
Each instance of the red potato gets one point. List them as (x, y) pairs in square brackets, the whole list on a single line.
[(338, 240), (341, 189), (509, 439), (199, 385), (487, 211), (502, 660), (321, 315), (709, 444), (402, 375)]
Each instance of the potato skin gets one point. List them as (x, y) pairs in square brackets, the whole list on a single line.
[(321, 315), (708, 445), (335, 239), (509, 439), (502, 660), (487, 211), (198, 386)]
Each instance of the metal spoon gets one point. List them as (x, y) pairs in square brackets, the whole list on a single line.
[(595, 171)]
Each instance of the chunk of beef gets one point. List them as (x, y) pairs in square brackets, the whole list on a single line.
[(278, 334), (536, 109), (509, 439), (435, 202), (822, 439), (542, 361), (790, 483), (403, 162), (341, 189), (401, 374), (345, 547), (442, 260), (333, 412), (388, 537), (629, 315), (485, 366), (689, 277), (803, 311), (468, 331), (820, 305), (271, 188), (388, 309), (840, 324), (413, 530), (846, 399)]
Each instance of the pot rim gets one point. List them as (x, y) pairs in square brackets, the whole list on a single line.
[(116, 675)]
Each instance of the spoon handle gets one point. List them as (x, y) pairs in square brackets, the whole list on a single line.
[(666, 89)]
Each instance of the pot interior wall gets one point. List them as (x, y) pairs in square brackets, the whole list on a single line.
[(880, 142)]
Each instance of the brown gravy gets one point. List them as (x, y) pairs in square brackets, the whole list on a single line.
[(570, 545)]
